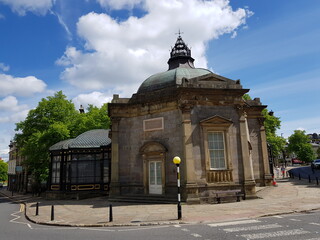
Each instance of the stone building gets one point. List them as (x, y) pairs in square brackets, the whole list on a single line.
[(194, 114), (18, 178)]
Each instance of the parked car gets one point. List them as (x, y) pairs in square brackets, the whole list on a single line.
[(315, 164), (1, 185)]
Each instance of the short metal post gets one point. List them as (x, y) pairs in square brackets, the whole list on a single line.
[(309, 179), (52, 213), (110, 213), (37, 209), (299, 176), (317, 180)]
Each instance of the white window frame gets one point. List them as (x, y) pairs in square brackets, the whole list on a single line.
[(224, 151), (217, 123)]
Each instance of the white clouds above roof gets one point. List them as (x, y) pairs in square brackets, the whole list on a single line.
[(36, 6), (121, 55), (94, 98), (25, 86)]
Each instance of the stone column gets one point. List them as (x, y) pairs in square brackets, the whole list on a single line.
[(249, 182), (191, 189), (265, 159), (114, 184)]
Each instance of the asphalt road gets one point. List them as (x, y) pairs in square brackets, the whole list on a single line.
[(14, 226), (305, 172)]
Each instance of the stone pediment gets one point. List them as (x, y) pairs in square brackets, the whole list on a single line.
[(211, 80), (216, 120)]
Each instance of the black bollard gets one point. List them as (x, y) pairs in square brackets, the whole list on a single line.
[(309, 179), (317, 180), (52, 213), (37, 209), (299, 176), (110, 213)]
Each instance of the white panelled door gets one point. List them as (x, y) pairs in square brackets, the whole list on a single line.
[(155, 177)]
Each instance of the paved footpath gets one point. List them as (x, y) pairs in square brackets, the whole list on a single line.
[(290, 195)]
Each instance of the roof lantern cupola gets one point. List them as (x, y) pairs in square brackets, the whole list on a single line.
[(180, 55)]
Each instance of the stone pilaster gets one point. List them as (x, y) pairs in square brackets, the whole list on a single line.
[(265, 159), (114, 184), (191, 188), (249, 182)]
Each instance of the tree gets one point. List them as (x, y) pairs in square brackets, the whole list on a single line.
[(246, 97), (318, 152), (3, 171), (44, 126), (299, 144), (53, 120), (94, 118), (271, 124)]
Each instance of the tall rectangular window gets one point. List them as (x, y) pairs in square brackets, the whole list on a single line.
[(55, 175), (216, 149)]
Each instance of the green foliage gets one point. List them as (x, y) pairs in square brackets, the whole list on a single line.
[(299, 144), (53, 120), (246, 97), (94, 118), (277, 143), (271, 124), (45, 125), (306, 153), (318, 152), (3, 171)]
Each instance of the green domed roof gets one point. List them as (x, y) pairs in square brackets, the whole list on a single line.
[(180, 66), (171, 78)]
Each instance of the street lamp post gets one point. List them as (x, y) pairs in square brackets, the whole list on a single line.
[(177, 161)]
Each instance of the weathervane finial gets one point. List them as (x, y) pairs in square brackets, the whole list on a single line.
[(179, 33)]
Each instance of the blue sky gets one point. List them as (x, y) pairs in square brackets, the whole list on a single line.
[(92, 49)]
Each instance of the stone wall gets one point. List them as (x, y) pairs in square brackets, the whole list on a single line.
[(132, 137), (203, 112)]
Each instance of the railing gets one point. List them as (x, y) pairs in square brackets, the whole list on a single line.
[(215, 176)]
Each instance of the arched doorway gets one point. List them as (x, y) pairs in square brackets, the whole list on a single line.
[(153, 155)]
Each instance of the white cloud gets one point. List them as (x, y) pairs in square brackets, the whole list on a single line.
[(25, 86), (234, 34), (94, 98), (309, 124), (120, 55), (10, 103), (15, 117), (62, 22), (4, 67), (36, 6), (120, 4)]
